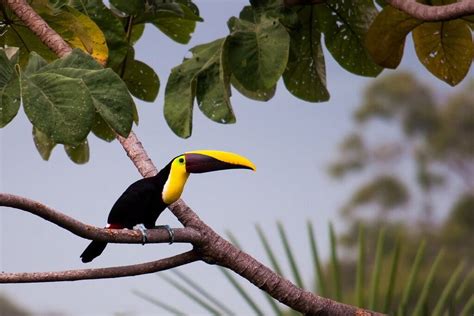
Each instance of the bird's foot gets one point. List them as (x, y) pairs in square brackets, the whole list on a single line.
[(170, 231), (142, 229)]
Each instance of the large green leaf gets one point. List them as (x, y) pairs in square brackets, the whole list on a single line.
[(141, 80), (9, 89), (385, 39), (190, 78), (109, 93), (258, 51), (305, 74), (345, 25), (110, 25), (445, 49), (58, 106)]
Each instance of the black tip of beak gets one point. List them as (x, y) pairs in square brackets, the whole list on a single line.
[(198, 163)]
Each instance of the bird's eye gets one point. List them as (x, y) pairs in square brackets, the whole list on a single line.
[(181, 160)]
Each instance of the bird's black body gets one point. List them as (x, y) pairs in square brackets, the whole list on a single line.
[(141, 203)]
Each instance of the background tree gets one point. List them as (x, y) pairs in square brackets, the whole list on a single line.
[(416, 180)]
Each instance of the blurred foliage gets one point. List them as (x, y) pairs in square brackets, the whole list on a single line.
[(394, 271), (432, 134), (417, 181)]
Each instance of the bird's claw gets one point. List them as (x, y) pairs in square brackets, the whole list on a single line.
[(143, 230), (170, 231)]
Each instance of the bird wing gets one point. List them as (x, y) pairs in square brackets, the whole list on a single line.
[(137, 205)]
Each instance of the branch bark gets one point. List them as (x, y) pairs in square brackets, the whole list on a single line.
[(209, 247), (415, 9), (102, 273)]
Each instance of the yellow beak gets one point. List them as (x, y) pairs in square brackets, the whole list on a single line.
[(200, 161)]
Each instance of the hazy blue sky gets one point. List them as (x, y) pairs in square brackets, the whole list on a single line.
[(290, 141)]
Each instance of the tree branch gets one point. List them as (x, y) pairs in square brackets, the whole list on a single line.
[(102, 273), (36, 24), (434, 13), (182, 235), (211, 247), (415, 9)]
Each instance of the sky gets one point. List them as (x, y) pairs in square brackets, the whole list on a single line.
[(290, 141)]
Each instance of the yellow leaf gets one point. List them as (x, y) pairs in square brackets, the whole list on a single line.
[(445, 49), (79, 31)]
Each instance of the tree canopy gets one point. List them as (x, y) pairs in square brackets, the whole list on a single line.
[(269, 40)]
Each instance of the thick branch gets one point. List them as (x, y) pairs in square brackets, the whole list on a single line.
[(188, 235), (434, 13), (415, 9), (216, 250), (103, 273), (36, 24)]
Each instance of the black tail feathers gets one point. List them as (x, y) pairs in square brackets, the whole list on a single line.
[(94, 249)]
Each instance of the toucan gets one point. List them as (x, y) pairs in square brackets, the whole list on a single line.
[(144, 200)]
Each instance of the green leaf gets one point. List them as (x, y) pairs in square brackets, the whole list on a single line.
[(345, 25), (407, 291), (258, 95), (109, 93), (177, 27), (268, 250), (203, 291), (392, 277), (110, 25), (58, 106), (18, 35), (213, 88), (78, 153), (375, 281), (43, 143), (9, 89), (360, 274), (445, 49), (321, 284), (141, 80), (101, 129), (159, 303), (441, 305), (130, 7), (35, 63), (190, 295), (136, 33), (290, 256), (427, 286), (189, 80), (335, 264), (258, 52), (305, 74), (385, 39), (247, 298)]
